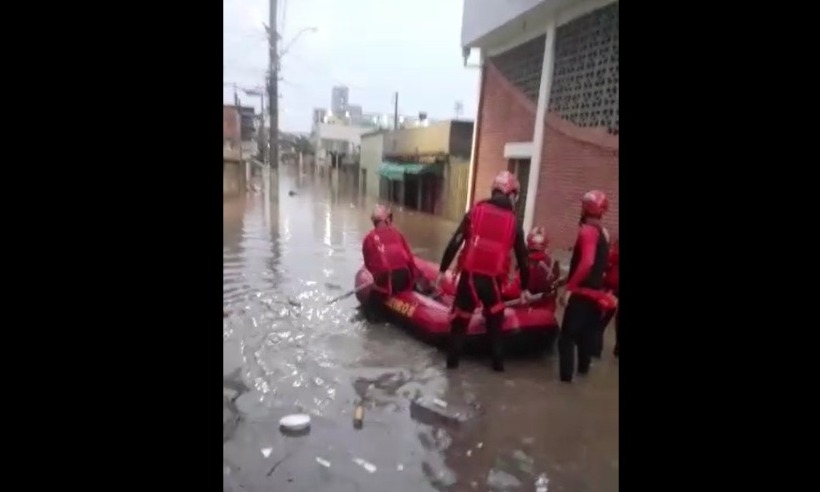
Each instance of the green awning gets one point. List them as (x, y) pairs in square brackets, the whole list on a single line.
[(396, 172)]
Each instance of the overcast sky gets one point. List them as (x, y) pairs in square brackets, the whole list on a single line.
[(375, 47)]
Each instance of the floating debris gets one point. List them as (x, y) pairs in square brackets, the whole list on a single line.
[(542, 484), (294, 303), (323, 462), (266, 452), (358, 417), (525, 463), (295, 422), (400, 467), (291, 193), (500, 480), (370, 467), (432, 412), (479, 445)]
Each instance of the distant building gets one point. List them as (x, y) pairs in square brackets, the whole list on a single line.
[(425, 168), (370, 160), (332, 140), (230, 126), (354, 114), (339, 99), (377, 120), (318, 115), (247, 123)]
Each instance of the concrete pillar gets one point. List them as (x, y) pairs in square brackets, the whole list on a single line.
[(476, 124), (540, 117)]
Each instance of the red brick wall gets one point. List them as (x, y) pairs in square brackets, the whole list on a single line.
[(574, 160), (505, 115)]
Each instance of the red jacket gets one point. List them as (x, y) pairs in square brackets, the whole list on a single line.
[(384, 249)]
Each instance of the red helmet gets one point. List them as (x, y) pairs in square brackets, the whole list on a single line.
[(506, 183), (594, 203), (381, 213), (537, 240)]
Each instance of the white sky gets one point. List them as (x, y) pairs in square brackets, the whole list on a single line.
[(375, 47)]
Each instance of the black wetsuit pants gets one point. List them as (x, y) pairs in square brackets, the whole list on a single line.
[(579, 331), (471, 290)]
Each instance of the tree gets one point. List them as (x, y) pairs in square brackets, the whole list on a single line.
[(303, 145)]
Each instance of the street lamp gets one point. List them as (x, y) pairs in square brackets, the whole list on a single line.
[(294, 38)]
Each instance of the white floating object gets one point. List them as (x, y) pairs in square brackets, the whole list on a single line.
[(400, 467), (441, 403), (266, 452), (370, 467), (323, 462), (479, 445), (295, 422)]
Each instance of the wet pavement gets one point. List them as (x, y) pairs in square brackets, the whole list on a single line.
[(286, 351)]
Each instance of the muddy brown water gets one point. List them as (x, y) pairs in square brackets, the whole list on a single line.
[(285, 350)]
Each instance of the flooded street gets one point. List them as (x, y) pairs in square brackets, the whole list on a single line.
[(286, 351)]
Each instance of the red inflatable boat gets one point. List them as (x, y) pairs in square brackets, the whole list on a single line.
[(430, 318)]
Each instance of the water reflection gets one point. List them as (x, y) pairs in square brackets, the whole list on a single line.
[(283, 258)]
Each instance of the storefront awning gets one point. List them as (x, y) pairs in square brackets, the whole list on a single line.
[(396, 172)]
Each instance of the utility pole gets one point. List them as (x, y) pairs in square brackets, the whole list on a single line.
[(396, 111), (238, 118), (263, 154), (242, 162), (273, 86)]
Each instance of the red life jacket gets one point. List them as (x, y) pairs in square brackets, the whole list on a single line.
[(540, 275), (539, 264), (385, 252), (490, 237)]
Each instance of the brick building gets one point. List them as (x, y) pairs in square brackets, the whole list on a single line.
[(230, 126), (548, 105)]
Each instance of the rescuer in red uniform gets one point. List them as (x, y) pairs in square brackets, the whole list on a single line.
[(585, 299), (539, 264), (388, 257), (489, 231), (611, 283)]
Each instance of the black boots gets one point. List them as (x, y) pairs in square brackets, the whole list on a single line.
[(452, 360), (456, 346)]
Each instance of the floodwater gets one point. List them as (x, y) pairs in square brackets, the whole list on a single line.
[(286, 351)]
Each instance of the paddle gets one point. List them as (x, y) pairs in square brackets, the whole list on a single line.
[(516, 302), (348, 294)]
